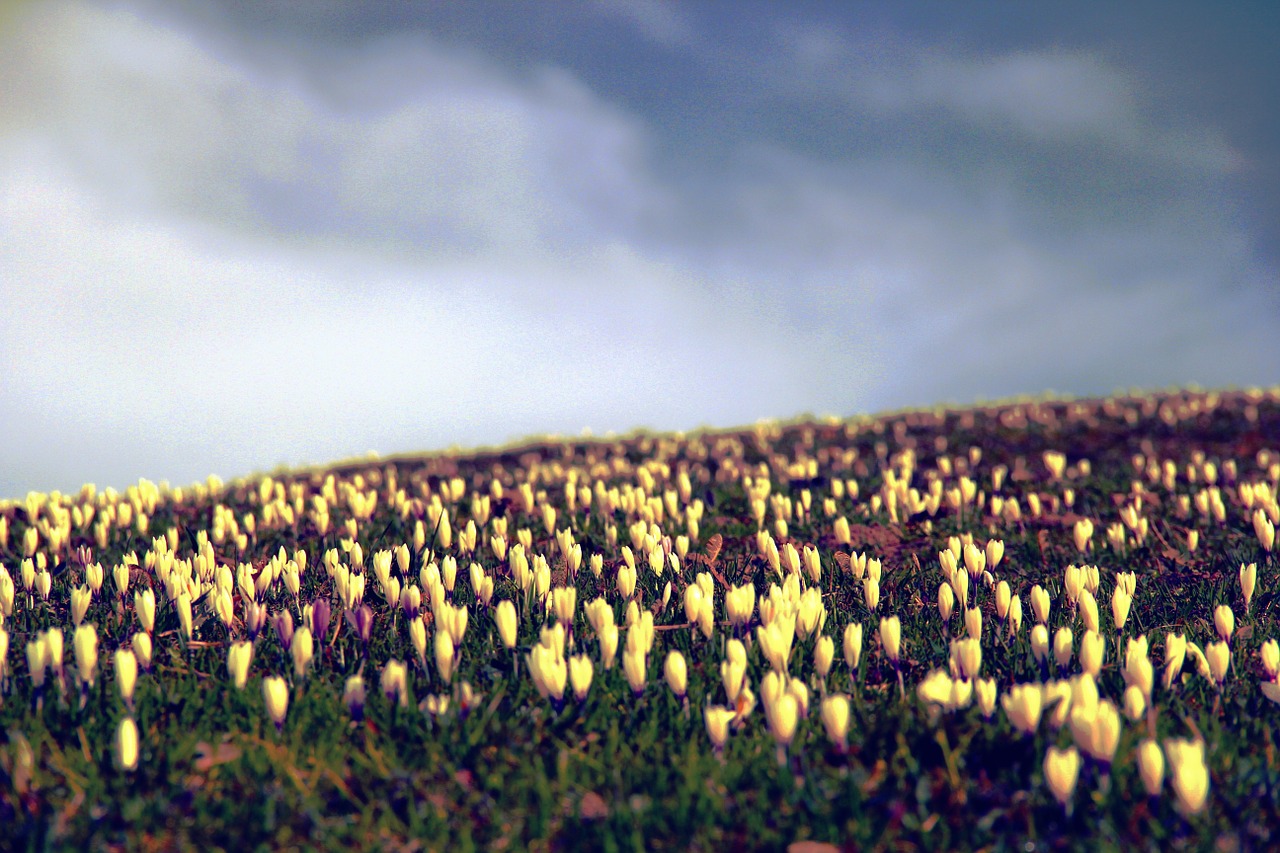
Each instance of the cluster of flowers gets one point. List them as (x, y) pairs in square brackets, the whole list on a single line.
[(527, 565)]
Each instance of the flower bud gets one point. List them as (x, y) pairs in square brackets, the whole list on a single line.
[(835, 718), (1062, 647), (184, 615), (445, 655), (1175, 652), (1023, 704), (973, 622), (580, 672), (1040, 604), (239, 655), (85, 643), (1248, 580), (608, 644), (824, 653), (987, 694), (1271, 659), (946, 602), (783, 715), (1120, 602), (1040, 642), (1151, 766), (505, 615), (1093, 648), (127, 744), (1219, 656), (144, 605), (126, 666), (634, 667), (1061, 768), (891, 637), (395, 682), (1135, 702), (676, 673), (301, 650), (353, 695), (1003, 596), (276, 695), (852, 644), (966, 653), (142, 649), (871, 591), (1190, 775), (717, 720), (81, 598), (1225, 621), (1088, 610)]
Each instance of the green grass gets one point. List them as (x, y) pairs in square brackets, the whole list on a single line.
[(616, 771)]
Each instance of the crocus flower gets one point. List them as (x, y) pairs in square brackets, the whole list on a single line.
[(320, 615), (81, 598), (445, 655), (505, 615), (1061, 768), (1190, 774), (1270, 654), (126, 666), (891, 637), (824, 652), (395, 682), (301, 649), (275, 692), (239, 656), (717, 720), (852, 644), (835, 718), (946, 601), (144, 605), (1175, 652), (634, 666), (1040, 604), (1224, 621), (142, 649), (1062, 641), (85, 643), (987, 692), (783, 715), (1151, 766), (1023, 704), (1218, 654), (580, 673), (127, 744), (361, 621), (676, 673), (353, 694), (1248, 580)]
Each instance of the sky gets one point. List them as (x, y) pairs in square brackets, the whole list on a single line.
[(235, 236)]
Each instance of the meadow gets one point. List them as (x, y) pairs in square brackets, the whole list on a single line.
[(1037, 625)]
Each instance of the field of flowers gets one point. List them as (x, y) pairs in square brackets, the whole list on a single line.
[(1040, 624)]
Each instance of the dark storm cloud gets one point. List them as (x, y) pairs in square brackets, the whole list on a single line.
[(264, 233)]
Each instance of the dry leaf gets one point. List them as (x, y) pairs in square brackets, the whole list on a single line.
[(713, 547), (593, 807)]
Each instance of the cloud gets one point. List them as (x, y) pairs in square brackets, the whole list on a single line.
[(224, 253), (1050, 97), (210, 255), (658, 20)]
